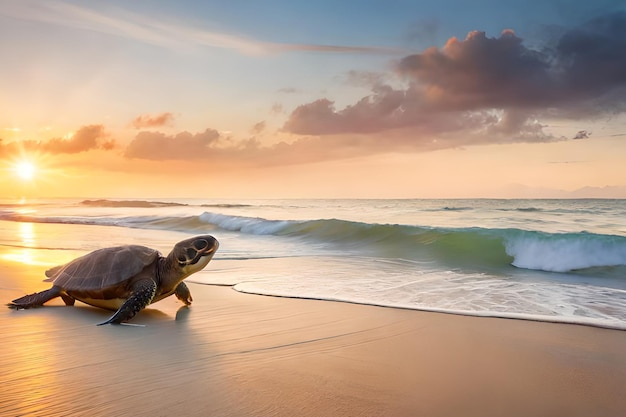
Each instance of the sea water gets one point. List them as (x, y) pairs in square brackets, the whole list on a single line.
[(548, 260)]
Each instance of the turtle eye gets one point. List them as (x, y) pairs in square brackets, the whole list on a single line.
[(191, 253), (200, 244), (182, 260)]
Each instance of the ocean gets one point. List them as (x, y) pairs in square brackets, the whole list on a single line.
[(545, 260)]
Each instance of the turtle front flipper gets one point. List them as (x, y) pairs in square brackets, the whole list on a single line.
[(143, 293), (183, 294), (37, 299)]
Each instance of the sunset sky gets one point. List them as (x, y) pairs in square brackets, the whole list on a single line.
[(368, 99)]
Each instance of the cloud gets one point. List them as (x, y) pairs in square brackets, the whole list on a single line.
[(259, 127), (184, 145), (478, 72), (85, 139), (277, 108), (161, 31), (486, 89), (228, 152), (481, 72), (146, 120), (582, 134)]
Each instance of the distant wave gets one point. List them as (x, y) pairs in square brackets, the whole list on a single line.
[(463, 208), (151, 204), (225, 205), (559, 210), (528, 209), (457, 208), (447, 208), (129, 203), (479, 249)]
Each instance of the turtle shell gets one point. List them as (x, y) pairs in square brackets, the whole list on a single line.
[(102, 268)]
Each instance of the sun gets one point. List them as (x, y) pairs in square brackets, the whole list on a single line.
[(25, 170)]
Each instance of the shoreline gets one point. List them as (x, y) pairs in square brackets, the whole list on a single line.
[(237, 354), (580, 321)]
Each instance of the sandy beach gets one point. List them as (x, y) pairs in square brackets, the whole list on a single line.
[(233, 354)]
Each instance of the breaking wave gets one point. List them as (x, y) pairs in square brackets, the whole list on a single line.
[(480, 249)]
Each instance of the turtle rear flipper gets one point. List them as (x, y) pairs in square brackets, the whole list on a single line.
[(143, 294), (37, 299)]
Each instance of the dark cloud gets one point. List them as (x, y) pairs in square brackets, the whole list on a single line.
[(184, 145), (479, 72), (483, 86), (592, 58), (482, 72), (582, 134), (147, 121), (380, 111)]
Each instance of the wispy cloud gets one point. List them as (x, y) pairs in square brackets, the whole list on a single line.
[(159, 31), (147, 120)]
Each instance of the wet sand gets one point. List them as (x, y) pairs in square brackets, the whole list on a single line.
[(233, 354)]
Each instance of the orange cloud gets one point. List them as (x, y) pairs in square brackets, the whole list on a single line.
[(184, 145), (85, 139), (146, 120)]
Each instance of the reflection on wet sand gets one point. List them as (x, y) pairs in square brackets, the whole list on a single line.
[(31, 358)]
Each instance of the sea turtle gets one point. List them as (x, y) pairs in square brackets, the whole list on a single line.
[(125, 278)]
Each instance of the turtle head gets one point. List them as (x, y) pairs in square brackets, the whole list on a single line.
[(191, 255)]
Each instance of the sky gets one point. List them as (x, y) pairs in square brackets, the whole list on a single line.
[(325, 99)]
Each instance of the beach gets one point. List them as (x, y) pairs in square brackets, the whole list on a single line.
[(385, 209), (233, 354)]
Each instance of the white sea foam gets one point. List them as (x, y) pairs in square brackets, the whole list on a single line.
[(567, 252), (408, 285)]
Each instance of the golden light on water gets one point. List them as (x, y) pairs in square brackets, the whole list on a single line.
[(24, 254), (31, 247), (27, 234)]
